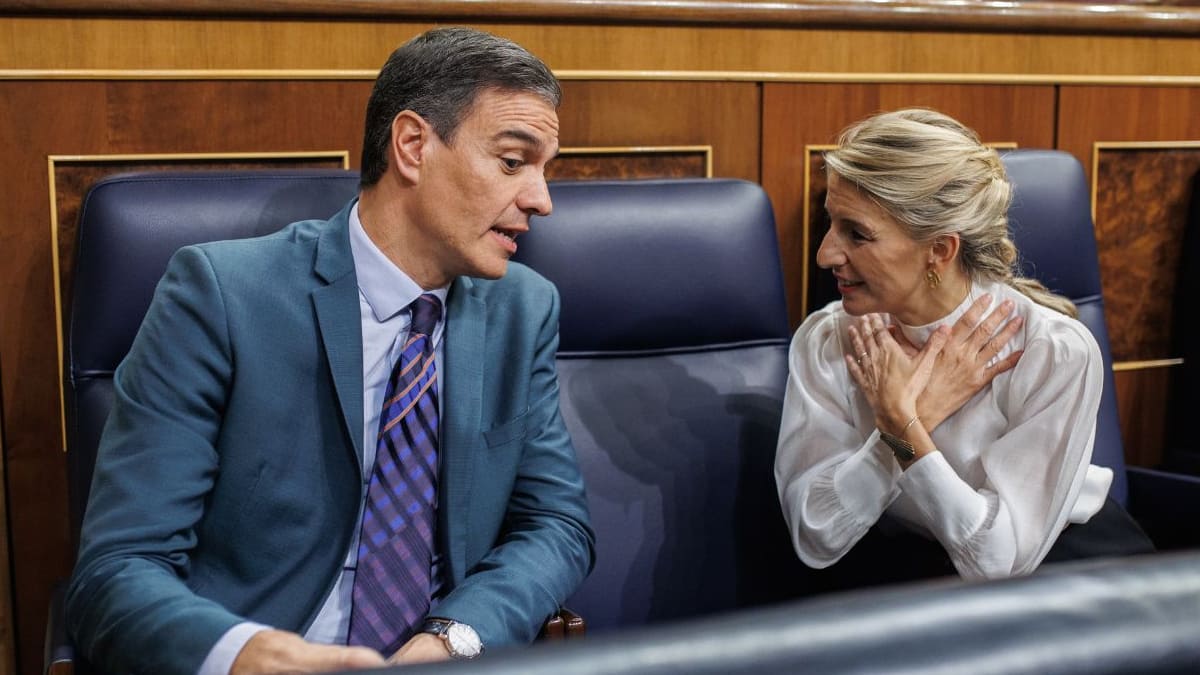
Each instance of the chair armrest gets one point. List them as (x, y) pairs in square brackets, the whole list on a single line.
[(59, 655), (564, 624), (1166, 505)]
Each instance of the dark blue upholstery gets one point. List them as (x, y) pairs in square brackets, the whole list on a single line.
[(129, 226), (1051, 224), (672, 364)]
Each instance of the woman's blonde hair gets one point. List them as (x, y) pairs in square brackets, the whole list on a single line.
[(935, 177)]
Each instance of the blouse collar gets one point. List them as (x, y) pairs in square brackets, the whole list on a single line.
[(918, 335)]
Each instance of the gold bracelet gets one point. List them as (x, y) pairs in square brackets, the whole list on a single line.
[(902, 449)]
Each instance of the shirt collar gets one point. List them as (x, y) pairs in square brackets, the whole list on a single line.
[(385, 287), (918, 335)]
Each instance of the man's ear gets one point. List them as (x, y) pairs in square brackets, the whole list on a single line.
[(411, 136)]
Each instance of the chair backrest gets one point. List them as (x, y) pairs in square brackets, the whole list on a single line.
[(1051, 223), (129, 226), (672, 360), (672, 366)]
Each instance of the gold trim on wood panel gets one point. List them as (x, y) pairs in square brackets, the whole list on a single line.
[(53, 160), (645, 150), (631, 75), (343, 155), (805, 220), (1145, 365)]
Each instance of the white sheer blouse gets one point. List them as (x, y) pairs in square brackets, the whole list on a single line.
[(1012, 467)]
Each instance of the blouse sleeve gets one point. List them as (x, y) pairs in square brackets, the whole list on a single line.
[(834, 480), (1033, 469)]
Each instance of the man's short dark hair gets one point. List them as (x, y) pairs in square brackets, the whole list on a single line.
[(438, 75)]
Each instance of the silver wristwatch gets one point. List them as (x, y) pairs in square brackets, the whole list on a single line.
[(461, 640)]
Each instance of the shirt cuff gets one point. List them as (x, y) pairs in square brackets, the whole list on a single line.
[(221, 657), (953, 511), (866, 482)]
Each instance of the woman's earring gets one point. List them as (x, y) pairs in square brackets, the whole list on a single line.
[(932, 277)]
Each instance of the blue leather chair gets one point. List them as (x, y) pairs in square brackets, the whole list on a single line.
[(1051, 224), (672, 362)]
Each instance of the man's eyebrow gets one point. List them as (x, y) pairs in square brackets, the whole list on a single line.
[(520, 135)]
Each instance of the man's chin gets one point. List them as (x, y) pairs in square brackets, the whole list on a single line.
[(493, 270)]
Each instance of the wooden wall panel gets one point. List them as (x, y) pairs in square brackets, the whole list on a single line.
[(1137, 231), (57, 43), (724, 115), (1142, 196), (796, 116), (7, 619)]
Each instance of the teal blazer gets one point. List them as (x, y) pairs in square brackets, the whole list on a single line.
[(228, 479)]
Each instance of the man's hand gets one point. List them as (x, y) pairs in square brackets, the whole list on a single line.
[(422, 648), (277, 651)]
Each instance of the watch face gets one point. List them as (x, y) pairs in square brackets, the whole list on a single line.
[(463, 641)]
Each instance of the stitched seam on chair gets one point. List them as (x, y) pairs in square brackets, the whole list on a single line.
[(94, 374), (667, 351)]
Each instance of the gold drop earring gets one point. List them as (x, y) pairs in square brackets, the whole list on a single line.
[(932, 277)]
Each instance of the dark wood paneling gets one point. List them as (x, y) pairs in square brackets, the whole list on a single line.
[(797, 116), (1049, 16), (1142, 198), (1142, 407), (723, 115), (1136, 251), (628, 163), (1088, 115)]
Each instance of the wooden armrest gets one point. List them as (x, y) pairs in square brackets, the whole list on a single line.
[(564, 624)]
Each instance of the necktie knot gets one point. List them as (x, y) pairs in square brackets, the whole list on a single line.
[(426, 312)]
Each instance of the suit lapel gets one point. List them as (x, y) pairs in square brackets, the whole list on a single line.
[(466, 334), (338, 319)]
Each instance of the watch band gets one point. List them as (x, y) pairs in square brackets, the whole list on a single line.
[(902, 449), (461, 640)]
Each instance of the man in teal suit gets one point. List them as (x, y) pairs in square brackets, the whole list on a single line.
[(223, 524)]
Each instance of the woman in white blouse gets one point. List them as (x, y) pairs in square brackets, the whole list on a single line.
[(940, 417)]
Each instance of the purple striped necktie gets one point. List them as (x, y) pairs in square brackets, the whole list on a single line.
[(395, 550)]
